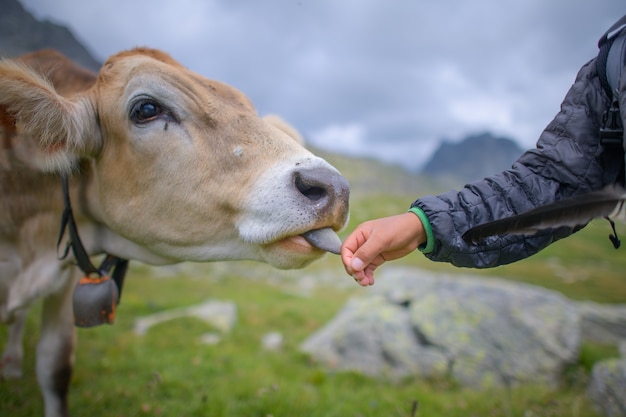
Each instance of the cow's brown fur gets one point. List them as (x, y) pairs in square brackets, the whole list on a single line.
[(204, 179)]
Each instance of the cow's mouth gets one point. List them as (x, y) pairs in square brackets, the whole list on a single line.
[(311, 244), (325, 239)]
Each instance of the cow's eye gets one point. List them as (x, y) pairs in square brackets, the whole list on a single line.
[(145, 111)]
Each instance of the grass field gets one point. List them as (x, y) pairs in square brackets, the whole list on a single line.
[(170, 372)]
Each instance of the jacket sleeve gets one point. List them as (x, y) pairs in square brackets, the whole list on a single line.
[(566, 161)]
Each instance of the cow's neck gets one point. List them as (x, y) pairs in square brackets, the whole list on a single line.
[(75, 244), (96, 236)]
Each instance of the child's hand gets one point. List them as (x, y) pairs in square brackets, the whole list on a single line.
[(374, 242)]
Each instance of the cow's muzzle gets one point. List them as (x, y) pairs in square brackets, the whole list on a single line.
[(326, 192)]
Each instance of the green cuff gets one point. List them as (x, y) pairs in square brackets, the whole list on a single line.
[(430, 240)]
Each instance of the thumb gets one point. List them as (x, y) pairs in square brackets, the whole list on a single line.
[(364, 256), (357, 264)]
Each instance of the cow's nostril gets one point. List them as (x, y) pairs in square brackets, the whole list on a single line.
[(324, 191), (309, 186)]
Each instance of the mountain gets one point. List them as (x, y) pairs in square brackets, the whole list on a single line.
[(473, 158), (20, 32)]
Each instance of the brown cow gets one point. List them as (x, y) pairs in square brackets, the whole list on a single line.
[(163, 166)]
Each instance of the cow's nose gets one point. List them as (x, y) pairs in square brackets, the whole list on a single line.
[(325, 189)]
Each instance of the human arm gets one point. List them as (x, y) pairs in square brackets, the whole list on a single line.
[(566, 162)]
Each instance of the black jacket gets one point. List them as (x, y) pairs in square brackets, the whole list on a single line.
[(567, 161)]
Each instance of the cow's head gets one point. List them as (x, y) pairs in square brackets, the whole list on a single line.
[(179, 164)]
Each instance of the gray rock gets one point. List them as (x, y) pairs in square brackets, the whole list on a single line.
[(272, 341), (603, 323), (220, 314), (481, 332), (374, 337), (210, 338), (607, 389)]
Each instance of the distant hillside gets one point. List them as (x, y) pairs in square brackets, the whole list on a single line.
[(373, 179), (20, 32), (473, 158)]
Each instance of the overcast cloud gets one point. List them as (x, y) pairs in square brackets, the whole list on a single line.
[(388, 79)]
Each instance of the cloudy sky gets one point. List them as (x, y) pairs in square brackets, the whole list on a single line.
[(388, 79)]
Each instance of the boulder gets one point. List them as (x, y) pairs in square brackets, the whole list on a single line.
[(375, 337), (602, 323), (220, 314), (607, 388), (480, 332)]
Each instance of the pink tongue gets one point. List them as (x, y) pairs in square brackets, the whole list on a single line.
[(324, 239)]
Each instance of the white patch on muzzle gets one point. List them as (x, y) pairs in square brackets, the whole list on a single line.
[(275, 208)]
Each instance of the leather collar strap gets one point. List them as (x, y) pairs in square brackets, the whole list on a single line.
[(110, 262)]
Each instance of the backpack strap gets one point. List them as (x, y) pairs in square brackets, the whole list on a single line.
[(609, 69), (609, 65)]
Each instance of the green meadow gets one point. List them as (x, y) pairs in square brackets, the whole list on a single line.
[(169, 371)]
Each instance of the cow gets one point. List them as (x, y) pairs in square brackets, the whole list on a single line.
[(148, 161)]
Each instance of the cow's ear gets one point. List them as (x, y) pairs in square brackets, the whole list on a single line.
[(54, 131)]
